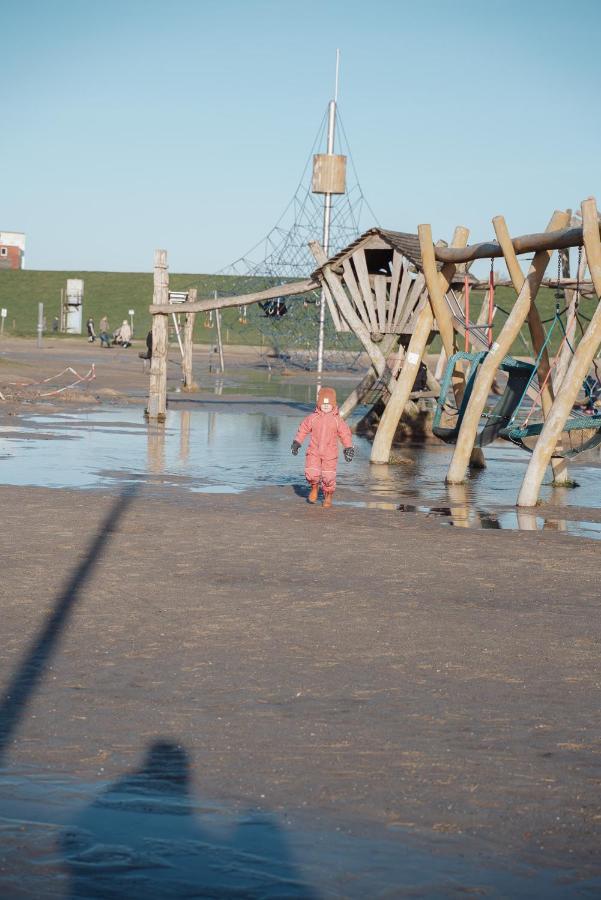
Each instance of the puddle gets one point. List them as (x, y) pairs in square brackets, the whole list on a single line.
[(147, 836), (202, 451)]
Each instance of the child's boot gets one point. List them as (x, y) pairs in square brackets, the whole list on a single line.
[(327, 500), (313, 493)]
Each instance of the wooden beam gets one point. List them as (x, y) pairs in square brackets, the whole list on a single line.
[(363, 277), (280, 290), (537, 336), (406, 310), (558, 239), (577, 371), (440, 308), (358, 395), (187, 374), (157, 393), (353, 288), (397, 269), (488, 368)]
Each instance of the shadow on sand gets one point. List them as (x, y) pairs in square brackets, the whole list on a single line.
[(32, 668), (142, 838)]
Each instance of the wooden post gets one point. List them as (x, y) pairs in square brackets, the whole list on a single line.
[(537, 335), (565, 354), (436, 290), (577, 371), (486, 372), (157, 395), (187, 375), (380, 451), (358, 395)]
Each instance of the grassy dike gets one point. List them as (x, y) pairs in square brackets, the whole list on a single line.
[(114, 293)]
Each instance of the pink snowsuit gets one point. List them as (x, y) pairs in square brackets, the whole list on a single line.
[(326, 429)]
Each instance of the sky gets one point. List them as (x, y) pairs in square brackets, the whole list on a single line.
[(128, 125)]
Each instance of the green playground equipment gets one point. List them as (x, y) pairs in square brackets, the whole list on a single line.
[(519, 376)]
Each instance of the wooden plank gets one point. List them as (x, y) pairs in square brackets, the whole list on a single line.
[(365, 287), (339, 324), (414, 302), (353, 287), (380, 288), (395, 275), (280, 290), (404, 288)]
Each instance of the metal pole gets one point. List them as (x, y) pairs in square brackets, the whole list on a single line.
[(327, 215), (40, 328), (219, 341)]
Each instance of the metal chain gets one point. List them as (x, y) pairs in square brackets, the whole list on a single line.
[(558, 292)]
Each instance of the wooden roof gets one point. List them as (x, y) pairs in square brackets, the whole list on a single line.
[(404, 242)]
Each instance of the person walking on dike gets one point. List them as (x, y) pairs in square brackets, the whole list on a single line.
[(104, 332), (326, 427), (91, 331)]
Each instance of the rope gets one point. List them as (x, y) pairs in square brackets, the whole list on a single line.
[(89, 376)]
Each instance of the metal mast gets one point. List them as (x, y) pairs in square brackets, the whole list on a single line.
[(327, 215)]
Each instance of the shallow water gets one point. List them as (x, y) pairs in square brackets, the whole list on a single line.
[(148, 836), (200, 450)]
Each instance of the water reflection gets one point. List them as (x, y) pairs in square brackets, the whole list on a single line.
[(184, 436), (156, 449), (204, 450)]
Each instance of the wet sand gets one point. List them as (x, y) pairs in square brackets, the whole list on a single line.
[(360, 703)]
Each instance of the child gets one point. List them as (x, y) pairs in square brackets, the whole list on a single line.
[(326, 428)]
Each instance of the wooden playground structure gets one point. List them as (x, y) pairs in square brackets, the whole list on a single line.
[(396, 291)]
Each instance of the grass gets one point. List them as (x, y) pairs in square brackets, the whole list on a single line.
[(114, 293)]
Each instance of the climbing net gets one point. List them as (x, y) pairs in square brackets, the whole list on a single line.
[(290, 326)]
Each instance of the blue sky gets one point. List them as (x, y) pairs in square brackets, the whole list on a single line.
[(130, 125)]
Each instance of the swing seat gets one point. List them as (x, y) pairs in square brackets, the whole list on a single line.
[(578, 425), (518, 375)]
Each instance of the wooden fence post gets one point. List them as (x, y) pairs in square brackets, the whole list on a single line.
[(487, 370), (577, 371), (380, 451), (537, 336), (157, 396), (187, 376)]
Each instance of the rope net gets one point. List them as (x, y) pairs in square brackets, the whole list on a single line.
[(290, 326)]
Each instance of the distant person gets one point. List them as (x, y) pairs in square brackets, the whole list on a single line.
[(326, 427), (104, 333), (55, 325), (147, 354), (122, 336), (91, 330)]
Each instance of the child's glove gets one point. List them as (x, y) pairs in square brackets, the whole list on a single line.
[(295, 447), (349, 452)]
